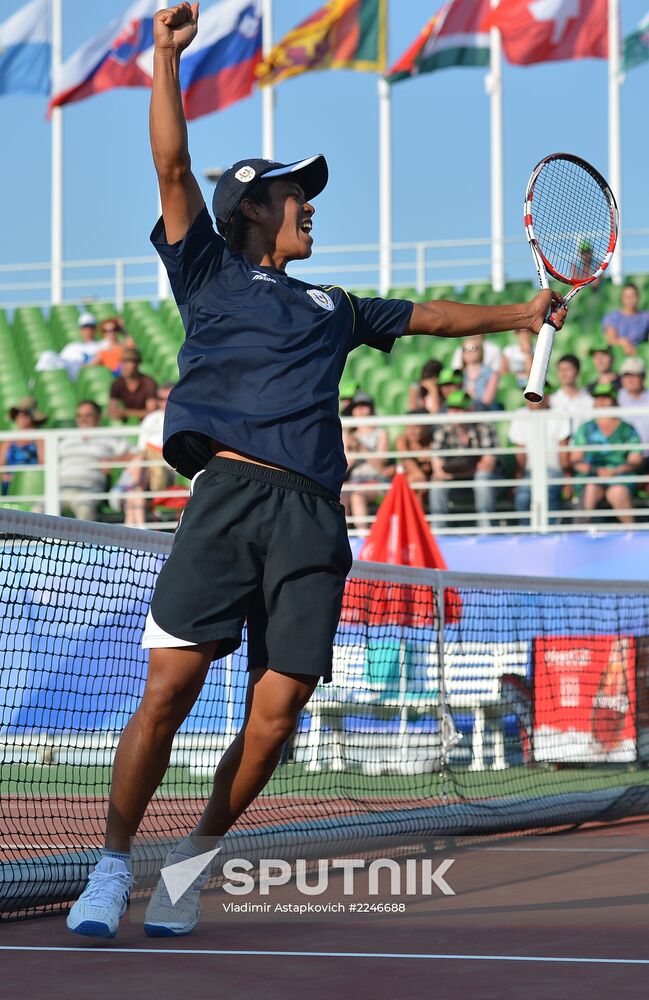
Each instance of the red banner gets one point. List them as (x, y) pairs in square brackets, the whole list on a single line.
[(584, 698)]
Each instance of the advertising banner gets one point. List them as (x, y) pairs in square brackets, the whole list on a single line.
[(584, 699)]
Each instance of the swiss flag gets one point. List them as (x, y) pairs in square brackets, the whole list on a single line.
[(536, 31), (400, 535)]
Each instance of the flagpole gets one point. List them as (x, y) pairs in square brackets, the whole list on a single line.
[(56, 208), (494, 89), (385, 185), (267, 93), (615, 80)]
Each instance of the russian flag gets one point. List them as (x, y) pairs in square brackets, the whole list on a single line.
[(218, 68), (110, 59), (26, 50)]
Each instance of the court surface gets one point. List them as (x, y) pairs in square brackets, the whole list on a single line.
[(556, 916)]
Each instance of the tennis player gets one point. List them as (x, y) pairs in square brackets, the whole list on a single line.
[(253, 421)]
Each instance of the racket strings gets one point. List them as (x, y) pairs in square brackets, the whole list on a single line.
[(572, 221)]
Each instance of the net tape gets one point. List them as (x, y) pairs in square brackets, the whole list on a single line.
[(446, 713)]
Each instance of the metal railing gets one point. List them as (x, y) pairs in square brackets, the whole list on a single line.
[(418, 264), (502, 519)]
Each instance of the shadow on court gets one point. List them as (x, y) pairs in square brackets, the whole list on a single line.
[(553, 917)]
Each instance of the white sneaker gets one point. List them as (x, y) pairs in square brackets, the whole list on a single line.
[(166, 919), (103, 902)]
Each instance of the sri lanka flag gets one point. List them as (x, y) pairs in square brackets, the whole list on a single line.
[(344, 34), (26, 50), (452, 37), (110, 58), (219, 66)]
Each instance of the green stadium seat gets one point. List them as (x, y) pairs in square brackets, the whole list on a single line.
[(27, 482)]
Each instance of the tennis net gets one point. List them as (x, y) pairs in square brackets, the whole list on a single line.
[(460, 705)]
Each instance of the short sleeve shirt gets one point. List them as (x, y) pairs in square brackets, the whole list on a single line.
[(634, 327), (262, 358), (135, 399), (591, 433)]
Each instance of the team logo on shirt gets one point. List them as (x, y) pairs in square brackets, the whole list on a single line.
[(321, 299), (245, 174)]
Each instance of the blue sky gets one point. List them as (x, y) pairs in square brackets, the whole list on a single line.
[(440, 131)]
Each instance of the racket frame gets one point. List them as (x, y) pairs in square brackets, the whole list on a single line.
[(545, 341)]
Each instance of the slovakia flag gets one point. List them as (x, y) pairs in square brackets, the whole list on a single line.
[(218, 68), (110, 58)]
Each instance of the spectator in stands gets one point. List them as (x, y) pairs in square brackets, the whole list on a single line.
[(619, 460), (79, 352), (569, 398), (557, 434), (602, 355), (426, 391), (364, 471), (627, 326), (480, 380), (517, 358), (634, 393), (24, 450), (418, 468), (84, 462), (149, 478), (110, 356), (132, 394), (448, 381), (493, 355), (479, 468)]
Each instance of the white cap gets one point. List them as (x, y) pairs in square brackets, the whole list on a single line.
[(87, 319)]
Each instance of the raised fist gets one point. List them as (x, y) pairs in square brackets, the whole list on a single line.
[(175, 27)]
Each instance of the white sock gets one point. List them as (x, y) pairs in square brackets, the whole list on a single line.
[(119, 856)]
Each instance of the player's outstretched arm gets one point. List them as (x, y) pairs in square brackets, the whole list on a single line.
[(455, 319), (173, 30)]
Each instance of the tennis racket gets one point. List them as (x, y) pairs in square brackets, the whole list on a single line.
[(571, 223)]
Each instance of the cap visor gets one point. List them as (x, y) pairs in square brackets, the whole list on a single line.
[(311, 174)]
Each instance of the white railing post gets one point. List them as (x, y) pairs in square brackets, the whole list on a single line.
[(120, 283), (538, 468), (51, 461), (421, 268)]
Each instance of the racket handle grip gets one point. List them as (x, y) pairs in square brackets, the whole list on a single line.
[(540, 362)]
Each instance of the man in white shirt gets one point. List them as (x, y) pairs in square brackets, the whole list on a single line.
[(635, 393), (572, 401), (79, 352), (557, 434), (84, 462)]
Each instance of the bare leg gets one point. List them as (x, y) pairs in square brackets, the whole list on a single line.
[(592, 496), (174, 681), (359, 506), (619, 497), (273, 704)]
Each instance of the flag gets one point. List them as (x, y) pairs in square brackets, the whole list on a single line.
[(536, 31), (636, 45), (452, 37), (110, 58), (26, 50), (219, 66), (344, 34), (401, 536)]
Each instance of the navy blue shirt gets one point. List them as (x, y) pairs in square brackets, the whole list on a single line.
[(262, 358)]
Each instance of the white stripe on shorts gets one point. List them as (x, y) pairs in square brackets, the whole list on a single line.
[(155, 637)]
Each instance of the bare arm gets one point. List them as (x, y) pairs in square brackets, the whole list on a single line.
[(455, 319), (173, 30)]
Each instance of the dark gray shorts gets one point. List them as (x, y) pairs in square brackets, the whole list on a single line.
[(261, 546)]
